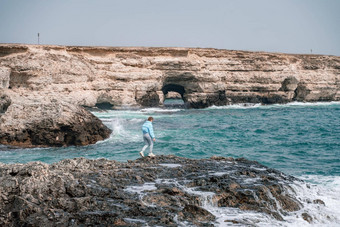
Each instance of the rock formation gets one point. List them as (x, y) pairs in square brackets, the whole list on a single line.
[(163, 191), (44, 124), (131, 77), (38, 77), (40, 117)]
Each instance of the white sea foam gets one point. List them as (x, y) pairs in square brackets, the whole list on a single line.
[(237, 106), (258, 169), (120, 133), (259, 105), (136, 120), (170, 165), (159, 110), (218, 174), (327, 189), (133, 220), (139, 189), (310, 103)]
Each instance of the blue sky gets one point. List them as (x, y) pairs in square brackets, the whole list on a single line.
[(288, 26)]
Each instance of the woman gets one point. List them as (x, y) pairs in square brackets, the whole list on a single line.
[(148, 137)]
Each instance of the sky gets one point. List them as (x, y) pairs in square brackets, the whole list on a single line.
[(288, 26)]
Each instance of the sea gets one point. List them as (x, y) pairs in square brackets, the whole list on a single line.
[(299, 139)]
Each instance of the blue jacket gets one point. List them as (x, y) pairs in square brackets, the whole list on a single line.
[(147, 128)]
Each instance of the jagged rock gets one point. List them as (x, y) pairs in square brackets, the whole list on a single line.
[(53, 123), (134, 77), (162, 191)]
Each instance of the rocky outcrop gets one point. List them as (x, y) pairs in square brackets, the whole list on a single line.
[(131, 77), (54, 123), (165, 190), (31, 118)]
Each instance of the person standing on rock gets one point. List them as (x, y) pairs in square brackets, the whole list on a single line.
[(148, 137)]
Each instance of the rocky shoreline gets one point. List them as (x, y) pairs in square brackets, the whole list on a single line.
[(165, 190), (43, 89)]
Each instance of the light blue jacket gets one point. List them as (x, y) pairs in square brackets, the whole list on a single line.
[(147, 128)]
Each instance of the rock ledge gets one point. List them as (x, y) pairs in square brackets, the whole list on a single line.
[(165, 190)]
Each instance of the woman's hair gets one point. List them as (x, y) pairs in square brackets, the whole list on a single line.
[(150, 119)]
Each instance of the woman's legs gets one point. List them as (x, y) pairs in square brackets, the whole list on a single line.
[(148, 142)]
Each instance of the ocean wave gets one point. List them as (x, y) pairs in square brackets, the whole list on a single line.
[(259, 105), (120, 130), (311, 196), (106, 116), (320, 197), (159, 110), (309, 104), (237, 106)]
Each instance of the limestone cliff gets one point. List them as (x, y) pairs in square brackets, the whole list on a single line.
[(132, 76)]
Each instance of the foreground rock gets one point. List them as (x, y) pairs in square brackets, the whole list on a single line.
[(133, 77), (166, 191), (54, 123)]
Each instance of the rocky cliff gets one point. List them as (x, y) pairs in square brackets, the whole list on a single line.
[(160, 191), (134, 77)]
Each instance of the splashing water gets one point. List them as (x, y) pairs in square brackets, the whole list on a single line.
[(300, 139)]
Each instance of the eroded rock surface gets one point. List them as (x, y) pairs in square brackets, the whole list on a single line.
[(134, 77), (162, 191), (53, 123)]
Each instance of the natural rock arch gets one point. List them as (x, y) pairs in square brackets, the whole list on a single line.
[(173, 87), (177, 89)]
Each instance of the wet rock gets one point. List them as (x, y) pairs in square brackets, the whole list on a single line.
[(195, 214), (163, 191), (232, 221), (318, 201), (307, 217)]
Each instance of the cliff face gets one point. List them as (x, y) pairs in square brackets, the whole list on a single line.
[(132, 77)]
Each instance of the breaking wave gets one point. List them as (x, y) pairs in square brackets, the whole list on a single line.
[(259, 105)]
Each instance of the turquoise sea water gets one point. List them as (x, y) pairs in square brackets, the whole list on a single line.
[(299, 139)]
